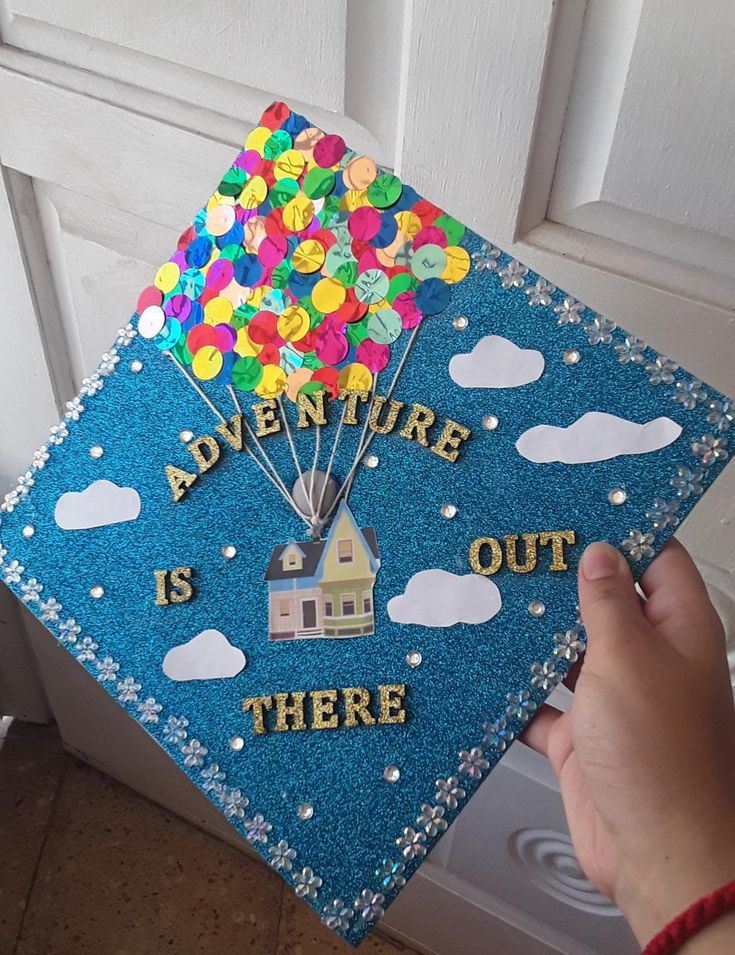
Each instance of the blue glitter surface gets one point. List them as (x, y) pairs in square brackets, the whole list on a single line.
[(467, 670)]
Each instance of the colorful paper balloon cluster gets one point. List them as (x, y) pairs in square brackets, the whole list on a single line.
[(303, 269)]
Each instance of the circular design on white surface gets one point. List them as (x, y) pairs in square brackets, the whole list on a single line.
[(547, 859)]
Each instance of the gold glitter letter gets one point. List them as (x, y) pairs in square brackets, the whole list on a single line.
[(390, 419), (476, 564), (357, 700), (310, 408), (196, 449), (511, 554), (450, 439), (557, 539), (350, 399), (322, 704), (420, 419), (232, 432), (265, 418), (295, 711), (391, 698), (181, 590), (161, 598), (179, 480), (258, 704)]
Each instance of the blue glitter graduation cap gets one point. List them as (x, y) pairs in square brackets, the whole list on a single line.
[(314, 521)]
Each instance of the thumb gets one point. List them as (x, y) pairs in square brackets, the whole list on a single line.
[(610, 607)]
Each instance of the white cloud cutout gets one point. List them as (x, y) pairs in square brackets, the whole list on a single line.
[(596, 436), (207, 656), (99, 504), (436, 598), (496, 362)]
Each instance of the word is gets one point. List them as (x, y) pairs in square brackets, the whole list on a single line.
[(486, 553), (327, 709), (172, 586)]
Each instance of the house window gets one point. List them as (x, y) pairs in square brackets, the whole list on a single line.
[(292, 560), (328, 608), (283, 608), (344, 551), (348, 605), (367, 602)]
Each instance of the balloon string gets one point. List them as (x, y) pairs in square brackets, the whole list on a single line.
[(365, 441), (317, 448), (328, 472), (294, 455), (259, 445), (215, 410)]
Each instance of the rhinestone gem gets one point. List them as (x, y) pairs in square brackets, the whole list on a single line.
[(618, 495), (96, 452), (136, 366), (461, 322), (186, 436), (305, 810), (490, 422), (414, 659), (571, 356), (372, 461), (391, 774), (237, 743), (536, 608), (97, 591), (229, 551), (28, 531), (448, 511)]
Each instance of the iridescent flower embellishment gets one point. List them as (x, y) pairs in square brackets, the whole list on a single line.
[(213, 779), (472, 763), (568, 645), (432, 819), (412, 844), (540, 293), (25, 483), (486, 259), (91, 385), (638, 545), (630, 351), (687, 483), (307, 883), (544, 676), (497, 735), (3, 554), (281, 856), (520, 706), (31, 590), (257, 828), (50, 610), (599, 330), (40, 457), (58, 433), (12, 572), (74, 409), (107, 365), (194, 752), (513, 274), (127, 690), (721, 414), (369, 905), (569, 312), (689, 394), (661, 370), (149, 709), (337, 915), (391, 875), (87, 650), (125, 336), (710, 449), (174, 730), (449, 792), (234, 801), (107, 669), (663, 514)]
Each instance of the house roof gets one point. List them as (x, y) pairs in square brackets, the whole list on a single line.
[(312, 551)]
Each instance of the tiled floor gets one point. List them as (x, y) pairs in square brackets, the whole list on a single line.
[(87, 867)]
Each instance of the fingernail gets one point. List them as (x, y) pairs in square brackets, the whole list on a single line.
[(600, 560)]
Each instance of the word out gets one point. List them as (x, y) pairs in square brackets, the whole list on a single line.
[(487, 553)]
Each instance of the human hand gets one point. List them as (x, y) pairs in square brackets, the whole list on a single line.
[(646, 754)]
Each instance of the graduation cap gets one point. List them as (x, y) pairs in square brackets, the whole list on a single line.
[(314, 522)]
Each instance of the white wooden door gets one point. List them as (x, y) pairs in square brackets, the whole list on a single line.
[(594, 140)]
